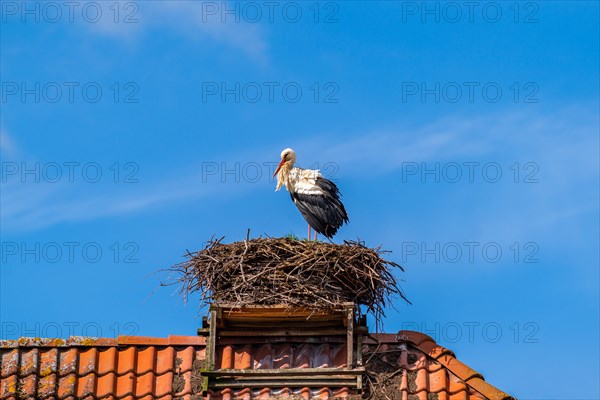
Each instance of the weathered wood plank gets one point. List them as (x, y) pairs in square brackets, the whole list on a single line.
[(285, 383), (235, 340), (350, 336), (285, 371), (211, 348), (283, 332), (286, 377)]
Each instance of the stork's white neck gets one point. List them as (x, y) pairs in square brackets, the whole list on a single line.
[(283, 177), (294, 177)]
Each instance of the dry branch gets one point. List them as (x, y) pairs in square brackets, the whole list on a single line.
[(268, 271)]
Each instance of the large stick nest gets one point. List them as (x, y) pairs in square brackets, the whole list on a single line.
[(298, 273)]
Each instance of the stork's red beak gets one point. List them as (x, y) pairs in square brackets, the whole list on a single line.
[(279, 167)]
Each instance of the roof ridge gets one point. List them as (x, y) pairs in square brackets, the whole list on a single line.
[(87, 341), (72, 341), (447, 358)]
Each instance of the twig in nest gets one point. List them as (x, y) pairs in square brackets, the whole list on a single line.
[(268, 271)]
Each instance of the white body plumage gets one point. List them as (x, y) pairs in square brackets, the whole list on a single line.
[(317, 198)]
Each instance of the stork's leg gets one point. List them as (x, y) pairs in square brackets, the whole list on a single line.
[(308, 232), (315, 236)]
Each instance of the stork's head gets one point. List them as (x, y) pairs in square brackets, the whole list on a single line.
[(288, 158)]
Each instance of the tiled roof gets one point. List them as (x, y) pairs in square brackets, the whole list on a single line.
[(431, 371), (164, 368), (83, 368)]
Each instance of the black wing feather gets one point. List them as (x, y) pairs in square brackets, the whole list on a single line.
[(325, 212)]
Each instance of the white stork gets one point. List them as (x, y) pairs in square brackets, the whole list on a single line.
[(317, 198)]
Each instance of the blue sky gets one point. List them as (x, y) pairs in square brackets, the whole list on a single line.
[(463, 140)]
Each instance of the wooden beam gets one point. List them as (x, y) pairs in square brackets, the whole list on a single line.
[(285, 371), (211, 346), (271, 378), (350, 337), (284, 383), (359, 360), (334, 321), (282, 332), (237, 340)]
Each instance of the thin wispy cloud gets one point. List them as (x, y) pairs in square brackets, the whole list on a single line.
[(32, 206), (564, 140), (569, 162), (563, 144), (190, 19), (8, 146), (27, 205)]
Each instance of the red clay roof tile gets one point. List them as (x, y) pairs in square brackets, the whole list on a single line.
[(491, 392), (99, 368), (412, 337), (458, 368), (168, 368)]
